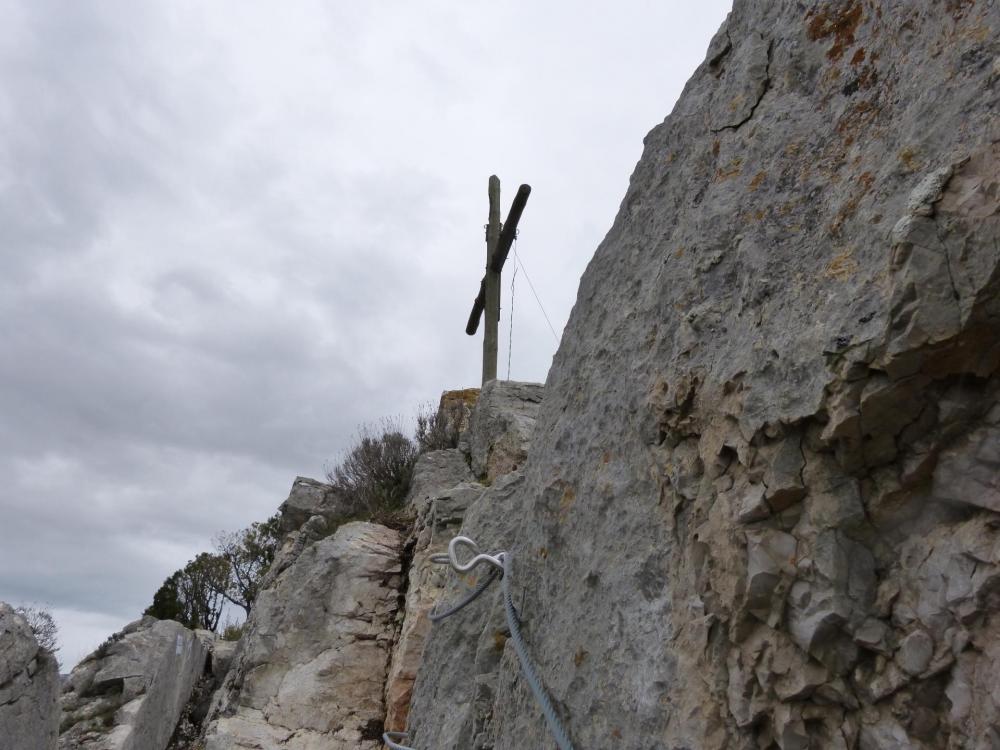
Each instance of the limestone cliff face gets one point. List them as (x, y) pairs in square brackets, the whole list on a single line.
[(760, 507), (309, 672), (29, 687)]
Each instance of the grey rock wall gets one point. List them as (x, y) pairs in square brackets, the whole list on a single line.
[(29, 687), (760, 506), (129, 693)]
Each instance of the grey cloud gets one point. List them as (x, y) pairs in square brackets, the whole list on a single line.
[(229, 233)]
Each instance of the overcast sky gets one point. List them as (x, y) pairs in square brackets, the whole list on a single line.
[(232, 231)]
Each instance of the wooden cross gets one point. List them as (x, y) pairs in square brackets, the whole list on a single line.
[(499, 238)]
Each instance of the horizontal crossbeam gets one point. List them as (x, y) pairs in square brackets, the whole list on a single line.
[(507, 235)]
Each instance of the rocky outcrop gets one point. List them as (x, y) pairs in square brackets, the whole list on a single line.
[(310, 670), (436, 472), (29, 687), (129, 693), (441, 493), (500, 427), (759, 509), (309, 498)]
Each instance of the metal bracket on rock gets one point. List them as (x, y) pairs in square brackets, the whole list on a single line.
[(501, 563), (451, 557)]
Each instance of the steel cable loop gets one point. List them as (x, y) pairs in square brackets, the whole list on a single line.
[(392, 740), (502, 569), (476, 593)]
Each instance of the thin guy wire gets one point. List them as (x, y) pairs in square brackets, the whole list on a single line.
[(532, 286), (510, 336)]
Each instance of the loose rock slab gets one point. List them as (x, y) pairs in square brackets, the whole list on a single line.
[(129, 693)]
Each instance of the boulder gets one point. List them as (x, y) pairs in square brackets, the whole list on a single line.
[(789, 339), (29, 687), (309, 671), (435, 472), (501, 425), (308, 498), (130, 692)]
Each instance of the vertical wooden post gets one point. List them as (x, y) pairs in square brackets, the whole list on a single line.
[(492, 306)]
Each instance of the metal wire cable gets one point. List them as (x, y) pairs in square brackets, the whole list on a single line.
[(556, 728), (476, 593), (392, 740), (532, 286), (510, 335), (501, 563)]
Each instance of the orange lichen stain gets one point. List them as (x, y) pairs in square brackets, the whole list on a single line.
[(978, 33), (957, 8), (839, 23), (845, 212), (732, 169), (757, 180), (909, 157), (499, 640), (866, 179), (857, 117), (566, 502), (843, 266), (616, 733), (679, 253), (606, 457), (715, 147), (580, 657), (471, 579), (858, 56)]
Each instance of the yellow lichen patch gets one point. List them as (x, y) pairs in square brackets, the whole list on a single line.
[(843, 266), (910, 158), (566, 501)]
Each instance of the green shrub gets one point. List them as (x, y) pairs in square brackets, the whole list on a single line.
[(233, 632), (374, 475)]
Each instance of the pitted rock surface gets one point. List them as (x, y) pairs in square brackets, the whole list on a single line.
[(760, 505), (309, 672), (29, 687), (129, 693)]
